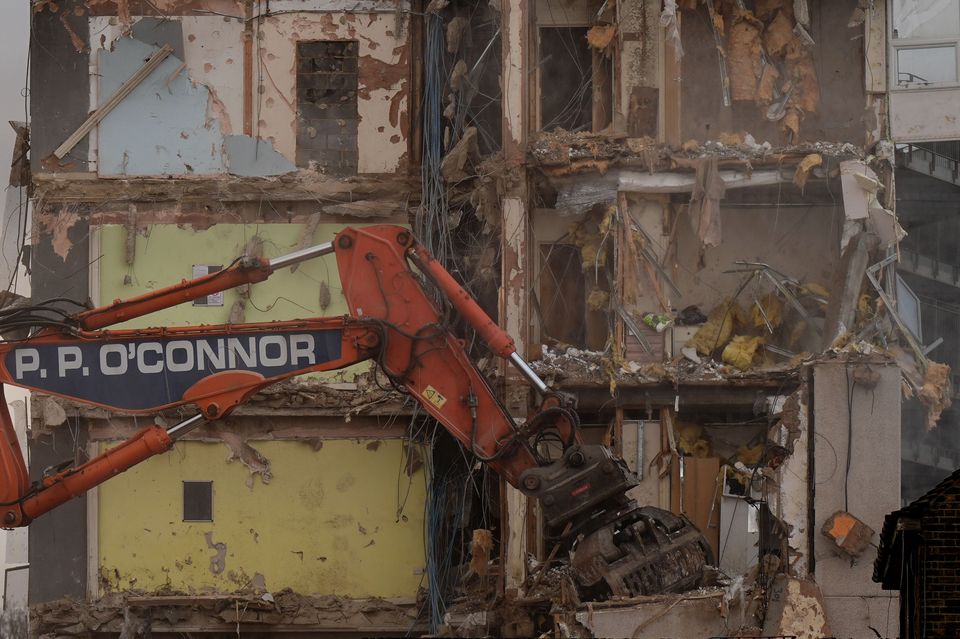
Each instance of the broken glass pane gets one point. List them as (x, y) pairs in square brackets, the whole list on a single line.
[(926, 65), (926, 18)]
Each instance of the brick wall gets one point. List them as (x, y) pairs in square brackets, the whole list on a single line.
[(940, 581)]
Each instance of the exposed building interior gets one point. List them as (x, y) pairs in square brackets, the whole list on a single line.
[(723, 230)]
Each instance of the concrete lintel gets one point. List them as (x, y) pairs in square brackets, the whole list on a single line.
[(724, 394), (338, 6), (640, 182)]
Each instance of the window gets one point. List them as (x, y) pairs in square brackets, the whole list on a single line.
[(925, 37), (327, 106), (198, 501), (572, 300), (575, 81)]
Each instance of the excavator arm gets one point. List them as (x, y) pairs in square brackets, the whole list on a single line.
[(392, 320)]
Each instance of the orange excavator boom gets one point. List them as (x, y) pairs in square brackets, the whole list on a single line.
[(392, 320)]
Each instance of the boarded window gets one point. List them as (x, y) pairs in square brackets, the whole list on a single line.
[(327, 106), (575, 81), (198, 501)]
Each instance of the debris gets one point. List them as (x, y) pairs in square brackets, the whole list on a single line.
[(790, 125), (324, 296), (691, 353), (704, 209), (690, 316), (306, 236), (741, 351), (766, 88), (718, 328), (657, 321), (600, 36), (249, 456), (668, 21), (803, 74), (454, 164), (859, 185), (935, 393), (480, 548), (731, 139), (806, 165), (52, 412), (778, 35), (744, 57), (598, 300), (765, 9), (456, 29), (767, 312), (131, 234), (857, 17), (851, 535), (796, 609), (458, 75), (802, 13), (884, 223), (238, 312)]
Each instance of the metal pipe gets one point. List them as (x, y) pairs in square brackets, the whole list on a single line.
[(179, 430), (527, 372), (302, 255)]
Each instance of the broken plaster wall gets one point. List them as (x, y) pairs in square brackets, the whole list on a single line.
[(799, 241), (791, 500), (335, 518), (870, 425), (183, 118), (383, 82)]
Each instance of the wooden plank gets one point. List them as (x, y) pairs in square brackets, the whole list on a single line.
[(101, 112)]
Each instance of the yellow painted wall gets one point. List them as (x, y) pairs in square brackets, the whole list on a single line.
[(165, 254), (327, 523)]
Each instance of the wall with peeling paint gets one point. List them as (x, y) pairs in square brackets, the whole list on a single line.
[(166, 253), (332, 520), (183, 118), (383, 103)]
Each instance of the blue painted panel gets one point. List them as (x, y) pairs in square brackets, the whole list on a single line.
[(146, 373), (162, 126)]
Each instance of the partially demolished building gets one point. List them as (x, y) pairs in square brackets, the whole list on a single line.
[(684, 211)]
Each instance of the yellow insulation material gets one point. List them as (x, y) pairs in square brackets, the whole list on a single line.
[(772, 309), (935, 393), (741, 351), (718, 328), (598, 300), (692, 442)]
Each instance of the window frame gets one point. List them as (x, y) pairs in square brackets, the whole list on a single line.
[(183, 500), (538, 124), (898, 44)]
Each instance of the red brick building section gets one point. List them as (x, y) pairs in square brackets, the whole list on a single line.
[(919, 555)]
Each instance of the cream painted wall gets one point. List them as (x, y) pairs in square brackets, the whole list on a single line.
[(383, 105), (343, 520)]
